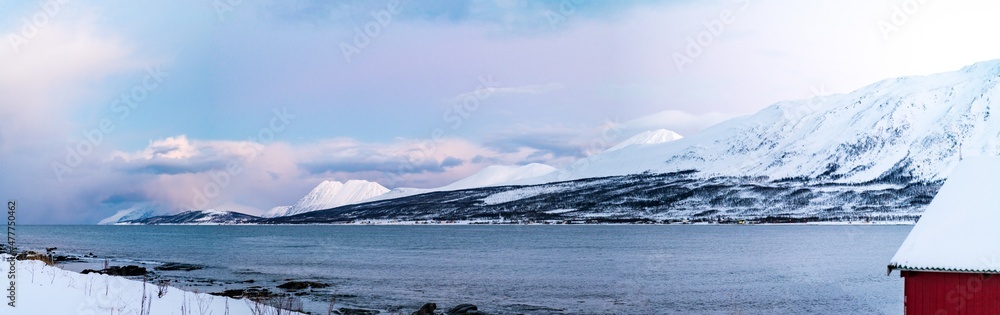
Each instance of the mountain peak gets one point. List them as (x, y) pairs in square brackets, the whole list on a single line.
[(647, 137)]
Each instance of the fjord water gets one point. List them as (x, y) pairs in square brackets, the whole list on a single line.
[(540, 269)]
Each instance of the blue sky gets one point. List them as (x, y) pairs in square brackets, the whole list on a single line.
[(427, 93)]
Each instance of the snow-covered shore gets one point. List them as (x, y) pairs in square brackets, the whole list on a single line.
[(42, 289)]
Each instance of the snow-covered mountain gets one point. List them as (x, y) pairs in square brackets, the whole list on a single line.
[(135, 212), (909, 128), (881, 151), (196, 217), (330, 194), (648, 137), (276, 212), (490, 176)]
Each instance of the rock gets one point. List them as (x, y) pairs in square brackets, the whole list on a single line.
[(126, 271), (300, 285), (427, 309), (249, 293), (356, 311), (178, 267), (464, 309)]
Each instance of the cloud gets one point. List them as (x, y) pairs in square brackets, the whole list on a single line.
[(402, 157), (556, 145), (516, 16), (179, 155), (451, 162), (170, 148), (50, 84), (561, 142), (181, 173), (41, 82)]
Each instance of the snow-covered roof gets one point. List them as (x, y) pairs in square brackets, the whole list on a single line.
[(960, 230)]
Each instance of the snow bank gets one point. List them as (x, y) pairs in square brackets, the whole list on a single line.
[(45, 289), (961, 226)]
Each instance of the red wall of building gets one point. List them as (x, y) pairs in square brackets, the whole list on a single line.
[(939, 293)]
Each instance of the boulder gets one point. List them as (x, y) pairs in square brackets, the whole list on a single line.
[(126, 271), (301, 285), (178, 267), (427, 309), (252, 293)]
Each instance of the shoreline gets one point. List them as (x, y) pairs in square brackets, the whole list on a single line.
[(65, 283), (40, 288), (368, 288)]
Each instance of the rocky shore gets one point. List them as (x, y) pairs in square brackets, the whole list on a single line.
[(155, 288)]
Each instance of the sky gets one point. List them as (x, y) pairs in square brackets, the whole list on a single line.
[(245, 105)]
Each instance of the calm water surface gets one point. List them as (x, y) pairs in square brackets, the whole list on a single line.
[(597, 269)]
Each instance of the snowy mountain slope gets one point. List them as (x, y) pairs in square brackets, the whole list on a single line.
[(276, 212), (906, 129), (645, 197), (196, 217), (648, 137), (136, 212), (330, 194), (493, 175), (499, 174)]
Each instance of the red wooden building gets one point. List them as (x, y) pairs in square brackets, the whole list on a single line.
[(950, 262)]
